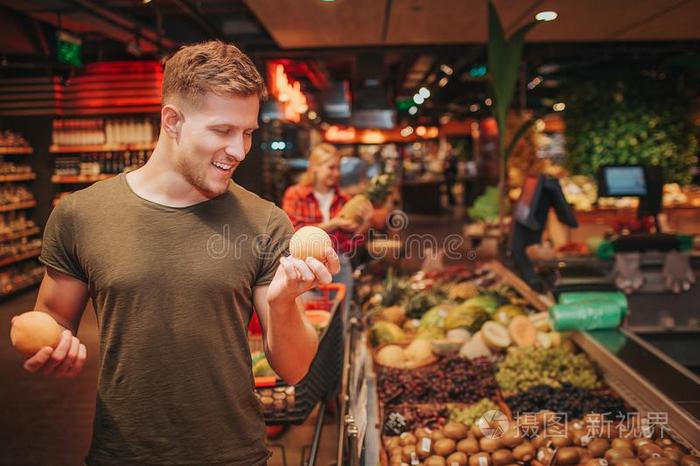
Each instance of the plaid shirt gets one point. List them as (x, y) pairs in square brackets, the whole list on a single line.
[(301, 206)]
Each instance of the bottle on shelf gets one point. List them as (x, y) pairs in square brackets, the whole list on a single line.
[(20, 275), (15, 221), (11, 194), (100, 163), (9, 168), (9, 138), (20, 246)]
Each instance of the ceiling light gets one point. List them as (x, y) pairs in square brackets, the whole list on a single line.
[(474, 107), (419, 99), (407, 131), (540, 125), (534, 83), (327, 1), (312, 115), (424, 92), (559, 107), (549, 68), (488, 101), (421, 131), (146, 1), (413, 110), (446, 69), (443, 81), (546, 16), (445, 119)]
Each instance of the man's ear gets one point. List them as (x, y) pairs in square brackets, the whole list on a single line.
[(172, 120)]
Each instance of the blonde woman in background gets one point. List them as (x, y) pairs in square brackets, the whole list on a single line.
[(317, 200)]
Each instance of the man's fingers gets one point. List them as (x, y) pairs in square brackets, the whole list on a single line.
[(306, 274), (59, 353), (70, 358), (79, 362), (38, 361), (332, 261), (288, 268), (320, 271)]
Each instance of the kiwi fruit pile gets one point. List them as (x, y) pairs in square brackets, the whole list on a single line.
[(455, 444)]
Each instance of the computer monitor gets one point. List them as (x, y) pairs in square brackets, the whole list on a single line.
[(643, 181), (622, 181)]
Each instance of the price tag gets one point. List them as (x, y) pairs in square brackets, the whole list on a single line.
[(425, 444)]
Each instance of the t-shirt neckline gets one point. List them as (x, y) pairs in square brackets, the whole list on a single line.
[(139, 198)]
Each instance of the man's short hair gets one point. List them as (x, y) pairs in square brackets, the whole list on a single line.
[(212, 66)]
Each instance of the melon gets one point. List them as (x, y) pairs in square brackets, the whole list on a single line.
[(522, 331), (391, 356), (310, 241), (358, 209), (33, 331)]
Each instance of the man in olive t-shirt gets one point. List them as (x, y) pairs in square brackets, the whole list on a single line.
[(174, 257)]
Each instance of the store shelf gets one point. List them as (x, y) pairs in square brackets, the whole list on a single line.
[(18, 206), (20, 177), (77, 179), (16, 150), (20, 289), (19, 258), (19, 234), (54, 149)]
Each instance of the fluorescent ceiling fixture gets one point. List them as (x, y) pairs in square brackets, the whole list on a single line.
[(534, 83), (546, 16), (424, 92), (419, 99), (413, 110), (559, 107), (446, 69), (549, 68)]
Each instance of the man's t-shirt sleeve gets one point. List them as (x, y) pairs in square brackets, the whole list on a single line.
[(279, 231), (58, 249)]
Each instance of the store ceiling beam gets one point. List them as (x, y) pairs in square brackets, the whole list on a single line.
[(125, 24), (199, 19)]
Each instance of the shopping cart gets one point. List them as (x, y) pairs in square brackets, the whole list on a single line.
[(285, 404)]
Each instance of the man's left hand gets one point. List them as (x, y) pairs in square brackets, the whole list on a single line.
[(295, 276)]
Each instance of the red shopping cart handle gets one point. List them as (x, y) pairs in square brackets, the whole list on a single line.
[(339, 290), (254, 327), (269, 381)]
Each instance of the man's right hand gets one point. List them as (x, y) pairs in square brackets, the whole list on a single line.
[(66, 360), (339, 223)]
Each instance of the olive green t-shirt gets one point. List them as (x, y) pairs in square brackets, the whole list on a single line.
[(173, 293)]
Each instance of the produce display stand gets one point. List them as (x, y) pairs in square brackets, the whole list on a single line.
[(644, 378)]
